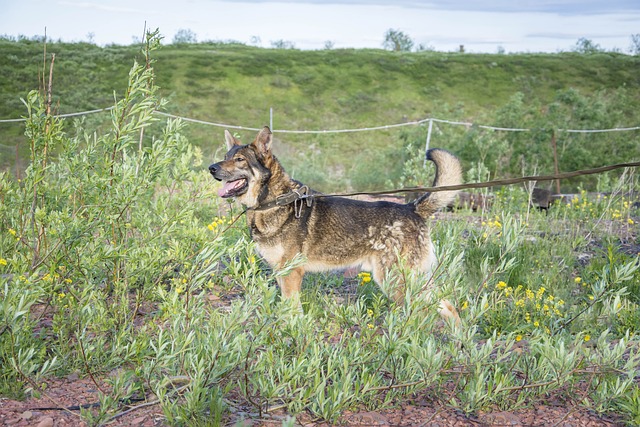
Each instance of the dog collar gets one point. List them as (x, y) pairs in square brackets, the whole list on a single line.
[(298, 196)]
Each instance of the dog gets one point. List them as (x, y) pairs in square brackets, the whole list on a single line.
[(331, 233)]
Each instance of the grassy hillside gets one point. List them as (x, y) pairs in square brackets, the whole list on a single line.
[(313, 90)]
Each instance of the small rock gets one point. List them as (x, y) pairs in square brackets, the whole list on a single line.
[(369, 419), (502, 419), (46, 422), (138, 421), (73, 377), (26, 415)]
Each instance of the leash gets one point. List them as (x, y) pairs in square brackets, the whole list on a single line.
[(486, 184), (302, 195)]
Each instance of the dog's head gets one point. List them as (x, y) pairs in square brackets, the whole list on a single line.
[(245, 168)]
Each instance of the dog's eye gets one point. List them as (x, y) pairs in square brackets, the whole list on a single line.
[(238, 159)]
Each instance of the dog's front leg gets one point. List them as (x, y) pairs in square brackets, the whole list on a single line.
[(290, 286)]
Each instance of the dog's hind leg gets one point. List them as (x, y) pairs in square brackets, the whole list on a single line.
[(448, 312), (395, 291)]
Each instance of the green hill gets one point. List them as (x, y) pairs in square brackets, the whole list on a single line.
[(343, 89)]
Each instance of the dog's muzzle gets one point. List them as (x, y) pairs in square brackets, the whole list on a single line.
[(214, 169), (231, 186)]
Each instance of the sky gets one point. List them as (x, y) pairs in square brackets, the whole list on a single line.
[(481, 26)]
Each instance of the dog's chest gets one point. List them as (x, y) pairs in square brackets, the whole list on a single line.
[(273, 254)]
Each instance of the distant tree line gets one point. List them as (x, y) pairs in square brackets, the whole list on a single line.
[(394, 40), (398, 41)]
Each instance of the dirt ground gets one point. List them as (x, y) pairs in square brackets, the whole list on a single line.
[(72, 391)]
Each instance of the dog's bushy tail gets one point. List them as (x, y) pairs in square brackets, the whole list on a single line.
[(448, 172)]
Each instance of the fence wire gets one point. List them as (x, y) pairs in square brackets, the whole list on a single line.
[(327, 131)]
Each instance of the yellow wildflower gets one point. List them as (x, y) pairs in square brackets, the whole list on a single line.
[(630, 221), (12, 231), (518, 338), (587, 338), (465, 305), (3, 261), (501, 285), (365, 277)]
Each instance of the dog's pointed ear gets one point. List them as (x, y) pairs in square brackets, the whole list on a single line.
[(230, 140), (263, 142)]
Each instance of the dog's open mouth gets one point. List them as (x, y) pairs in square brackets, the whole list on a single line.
[(233, 188)]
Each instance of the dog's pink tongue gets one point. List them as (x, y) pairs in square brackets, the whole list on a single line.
[(227, 187)]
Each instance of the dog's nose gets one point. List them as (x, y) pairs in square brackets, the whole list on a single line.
[(213, 169)]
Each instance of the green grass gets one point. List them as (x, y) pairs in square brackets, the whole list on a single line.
[(116, 257)]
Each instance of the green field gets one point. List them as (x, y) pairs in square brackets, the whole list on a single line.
[(343, 89)]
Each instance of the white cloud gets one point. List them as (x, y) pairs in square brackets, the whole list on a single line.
[(102, 7)]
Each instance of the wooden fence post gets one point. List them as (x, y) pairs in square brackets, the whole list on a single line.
[(555, 158)]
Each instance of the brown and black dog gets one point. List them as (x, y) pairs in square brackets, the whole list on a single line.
[(331, 233)]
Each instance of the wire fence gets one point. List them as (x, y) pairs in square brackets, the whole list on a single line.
[(430, 121)]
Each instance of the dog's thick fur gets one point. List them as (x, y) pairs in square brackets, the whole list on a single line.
[(334, 232)]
